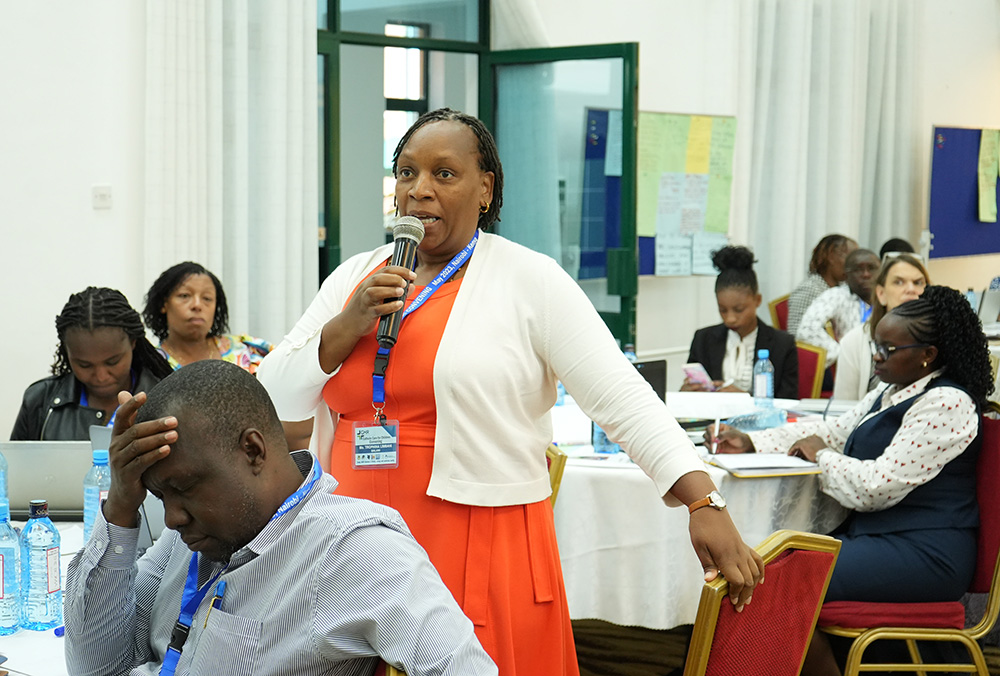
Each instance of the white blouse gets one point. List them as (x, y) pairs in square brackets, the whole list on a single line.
[(737, 363), (936, 429)]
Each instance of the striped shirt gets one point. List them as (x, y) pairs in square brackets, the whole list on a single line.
[(327, 588)]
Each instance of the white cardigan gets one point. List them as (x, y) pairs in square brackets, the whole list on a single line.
[(518, 324)]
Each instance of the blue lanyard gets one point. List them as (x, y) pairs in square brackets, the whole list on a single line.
[(194, 595), (382, 355), (866, 311)]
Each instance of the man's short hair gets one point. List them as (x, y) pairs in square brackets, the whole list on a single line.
[(221, 394)]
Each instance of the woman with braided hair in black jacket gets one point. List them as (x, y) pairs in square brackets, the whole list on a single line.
[(102, 350)]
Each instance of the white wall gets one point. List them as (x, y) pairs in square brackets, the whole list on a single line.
[(71, 118)]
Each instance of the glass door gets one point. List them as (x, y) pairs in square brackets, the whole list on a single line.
[(565, 121)]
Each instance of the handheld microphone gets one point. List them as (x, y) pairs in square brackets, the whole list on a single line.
[(407, 233)]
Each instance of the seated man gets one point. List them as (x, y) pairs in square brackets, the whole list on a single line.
[(267, 570), (844, 307)]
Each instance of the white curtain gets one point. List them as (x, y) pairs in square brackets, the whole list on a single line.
[(826, 131), (231, 152)]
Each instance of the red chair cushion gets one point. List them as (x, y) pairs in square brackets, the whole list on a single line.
[(808, 363), (860, 615), (781, 614), (988, 497), (781, 309)]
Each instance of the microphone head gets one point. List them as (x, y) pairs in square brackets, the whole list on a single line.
[(408, 227)]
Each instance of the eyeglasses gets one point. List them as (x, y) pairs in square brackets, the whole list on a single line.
[(883, 352), (889, 255)]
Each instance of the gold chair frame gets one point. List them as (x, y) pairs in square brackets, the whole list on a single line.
[(557, 465)]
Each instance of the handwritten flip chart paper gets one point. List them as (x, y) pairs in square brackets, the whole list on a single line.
[(703, 244), (989, 166), (684, 185)]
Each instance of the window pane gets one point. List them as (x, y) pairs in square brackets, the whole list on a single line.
[(404, 68), (556, 123), (445, 19), (322, 14)]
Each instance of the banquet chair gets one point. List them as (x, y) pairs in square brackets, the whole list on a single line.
[(797, 568), (812, 364), (779, 312), (556, 460), (867, 623)]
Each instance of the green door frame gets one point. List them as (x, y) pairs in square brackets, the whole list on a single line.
[(623, 262)]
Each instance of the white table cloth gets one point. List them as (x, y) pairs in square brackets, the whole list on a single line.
[(627, 558)]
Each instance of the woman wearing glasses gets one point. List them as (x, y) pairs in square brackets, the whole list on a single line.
[(901, 278), (903, 460)]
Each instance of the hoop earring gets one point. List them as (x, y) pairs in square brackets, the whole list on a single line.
[(483, 208)]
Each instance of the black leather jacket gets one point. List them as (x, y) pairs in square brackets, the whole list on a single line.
[(51, 410)]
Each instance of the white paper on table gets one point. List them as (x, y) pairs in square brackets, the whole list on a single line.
[(763, 464), (709, 405)]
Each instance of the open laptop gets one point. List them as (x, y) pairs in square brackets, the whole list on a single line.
[(989, 306), (655, 373), (54, 471)]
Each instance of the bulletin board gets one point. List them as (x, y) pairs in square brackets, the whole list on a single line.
[(683, 191), (963, 201)]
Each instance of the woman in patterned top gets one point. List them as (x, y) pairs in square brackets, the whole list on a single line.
[(186, 309), (903, 460)]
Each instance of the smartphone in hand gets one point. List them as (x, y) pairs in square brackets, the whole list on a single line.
[(695, 372)]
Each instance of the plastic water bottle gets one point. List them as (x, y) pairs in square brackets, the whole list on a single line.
[(601, 442), (10, 571), (760, 419), (560, 393), (629, 351), (763, 380), (96, 485), (41, 577), (4, 494), (970, 296)]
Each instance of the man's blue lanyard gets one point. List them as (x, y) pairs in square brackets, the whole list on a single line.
[(84, 400), (866, 311), (382, 355), (194, 595)]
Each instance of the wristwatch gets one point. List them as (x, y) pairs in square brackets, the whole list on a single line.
[(713, 499)]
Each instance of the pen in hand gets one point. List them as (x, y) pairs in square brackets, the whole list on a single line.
[(715, 438)]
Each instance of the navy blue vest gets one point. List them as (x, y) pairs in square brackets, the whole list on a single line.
[(946, 501)]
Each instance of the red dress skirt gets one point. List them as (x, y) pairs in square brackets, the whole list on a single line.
[(500, 563)]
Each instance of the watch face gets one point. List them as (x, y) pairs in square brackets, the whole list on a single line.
[(718, 501)]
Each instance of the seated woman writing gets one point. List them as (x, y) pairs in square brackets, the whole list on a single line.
[(901, 278), (904, 460), (728, 350), (186, 308), (102, 351)]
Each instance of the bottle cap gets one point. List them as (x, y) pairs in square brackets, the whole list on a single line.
[(4, 510), (101, 457), (38, 508), (763, 354)]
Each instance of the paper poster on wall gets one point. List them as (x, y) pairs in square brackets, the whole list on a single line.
[(684, 185)]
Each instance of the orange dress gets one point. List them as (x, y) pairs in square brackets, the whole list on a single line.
[(500, 563)]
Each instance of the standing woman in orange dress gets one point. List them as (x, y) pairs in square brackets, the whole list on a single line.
[(469, 387)]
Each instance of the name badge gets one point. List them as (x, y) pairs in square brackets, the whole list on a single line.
[(376, 445)]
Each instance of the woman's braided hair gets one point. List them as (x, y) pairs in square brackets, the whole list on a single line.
[(98, 307), (943, 318), (489, 156)]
